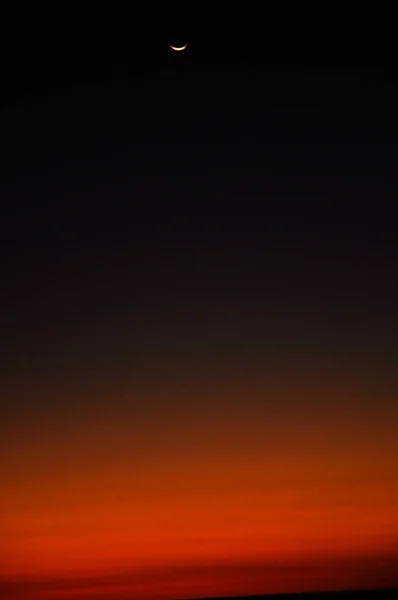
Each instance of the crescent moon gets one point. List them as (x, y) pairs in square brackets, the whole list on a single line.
[(178, 48)]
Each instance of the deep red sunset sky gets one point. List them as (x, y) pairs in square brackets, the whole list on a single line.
[(198, 312)]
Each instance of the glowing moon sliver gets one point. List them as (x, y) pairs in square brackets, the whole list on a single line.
[(178, 48)]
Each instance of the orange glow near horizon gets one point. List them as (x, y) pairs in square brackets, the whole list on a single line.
[(289, 498)]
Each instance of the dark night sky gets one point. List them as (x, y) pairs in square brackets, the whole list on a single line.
[(185, 236)]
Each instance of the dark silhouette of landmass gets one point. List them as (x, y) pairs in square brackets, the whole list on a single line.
[(384, 594)]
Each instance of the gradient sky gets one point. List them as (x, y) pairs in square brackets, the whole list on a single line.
[(198, 316)]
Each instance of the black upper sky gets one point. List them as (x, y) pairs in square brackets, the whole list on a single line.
[(259, 166)]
